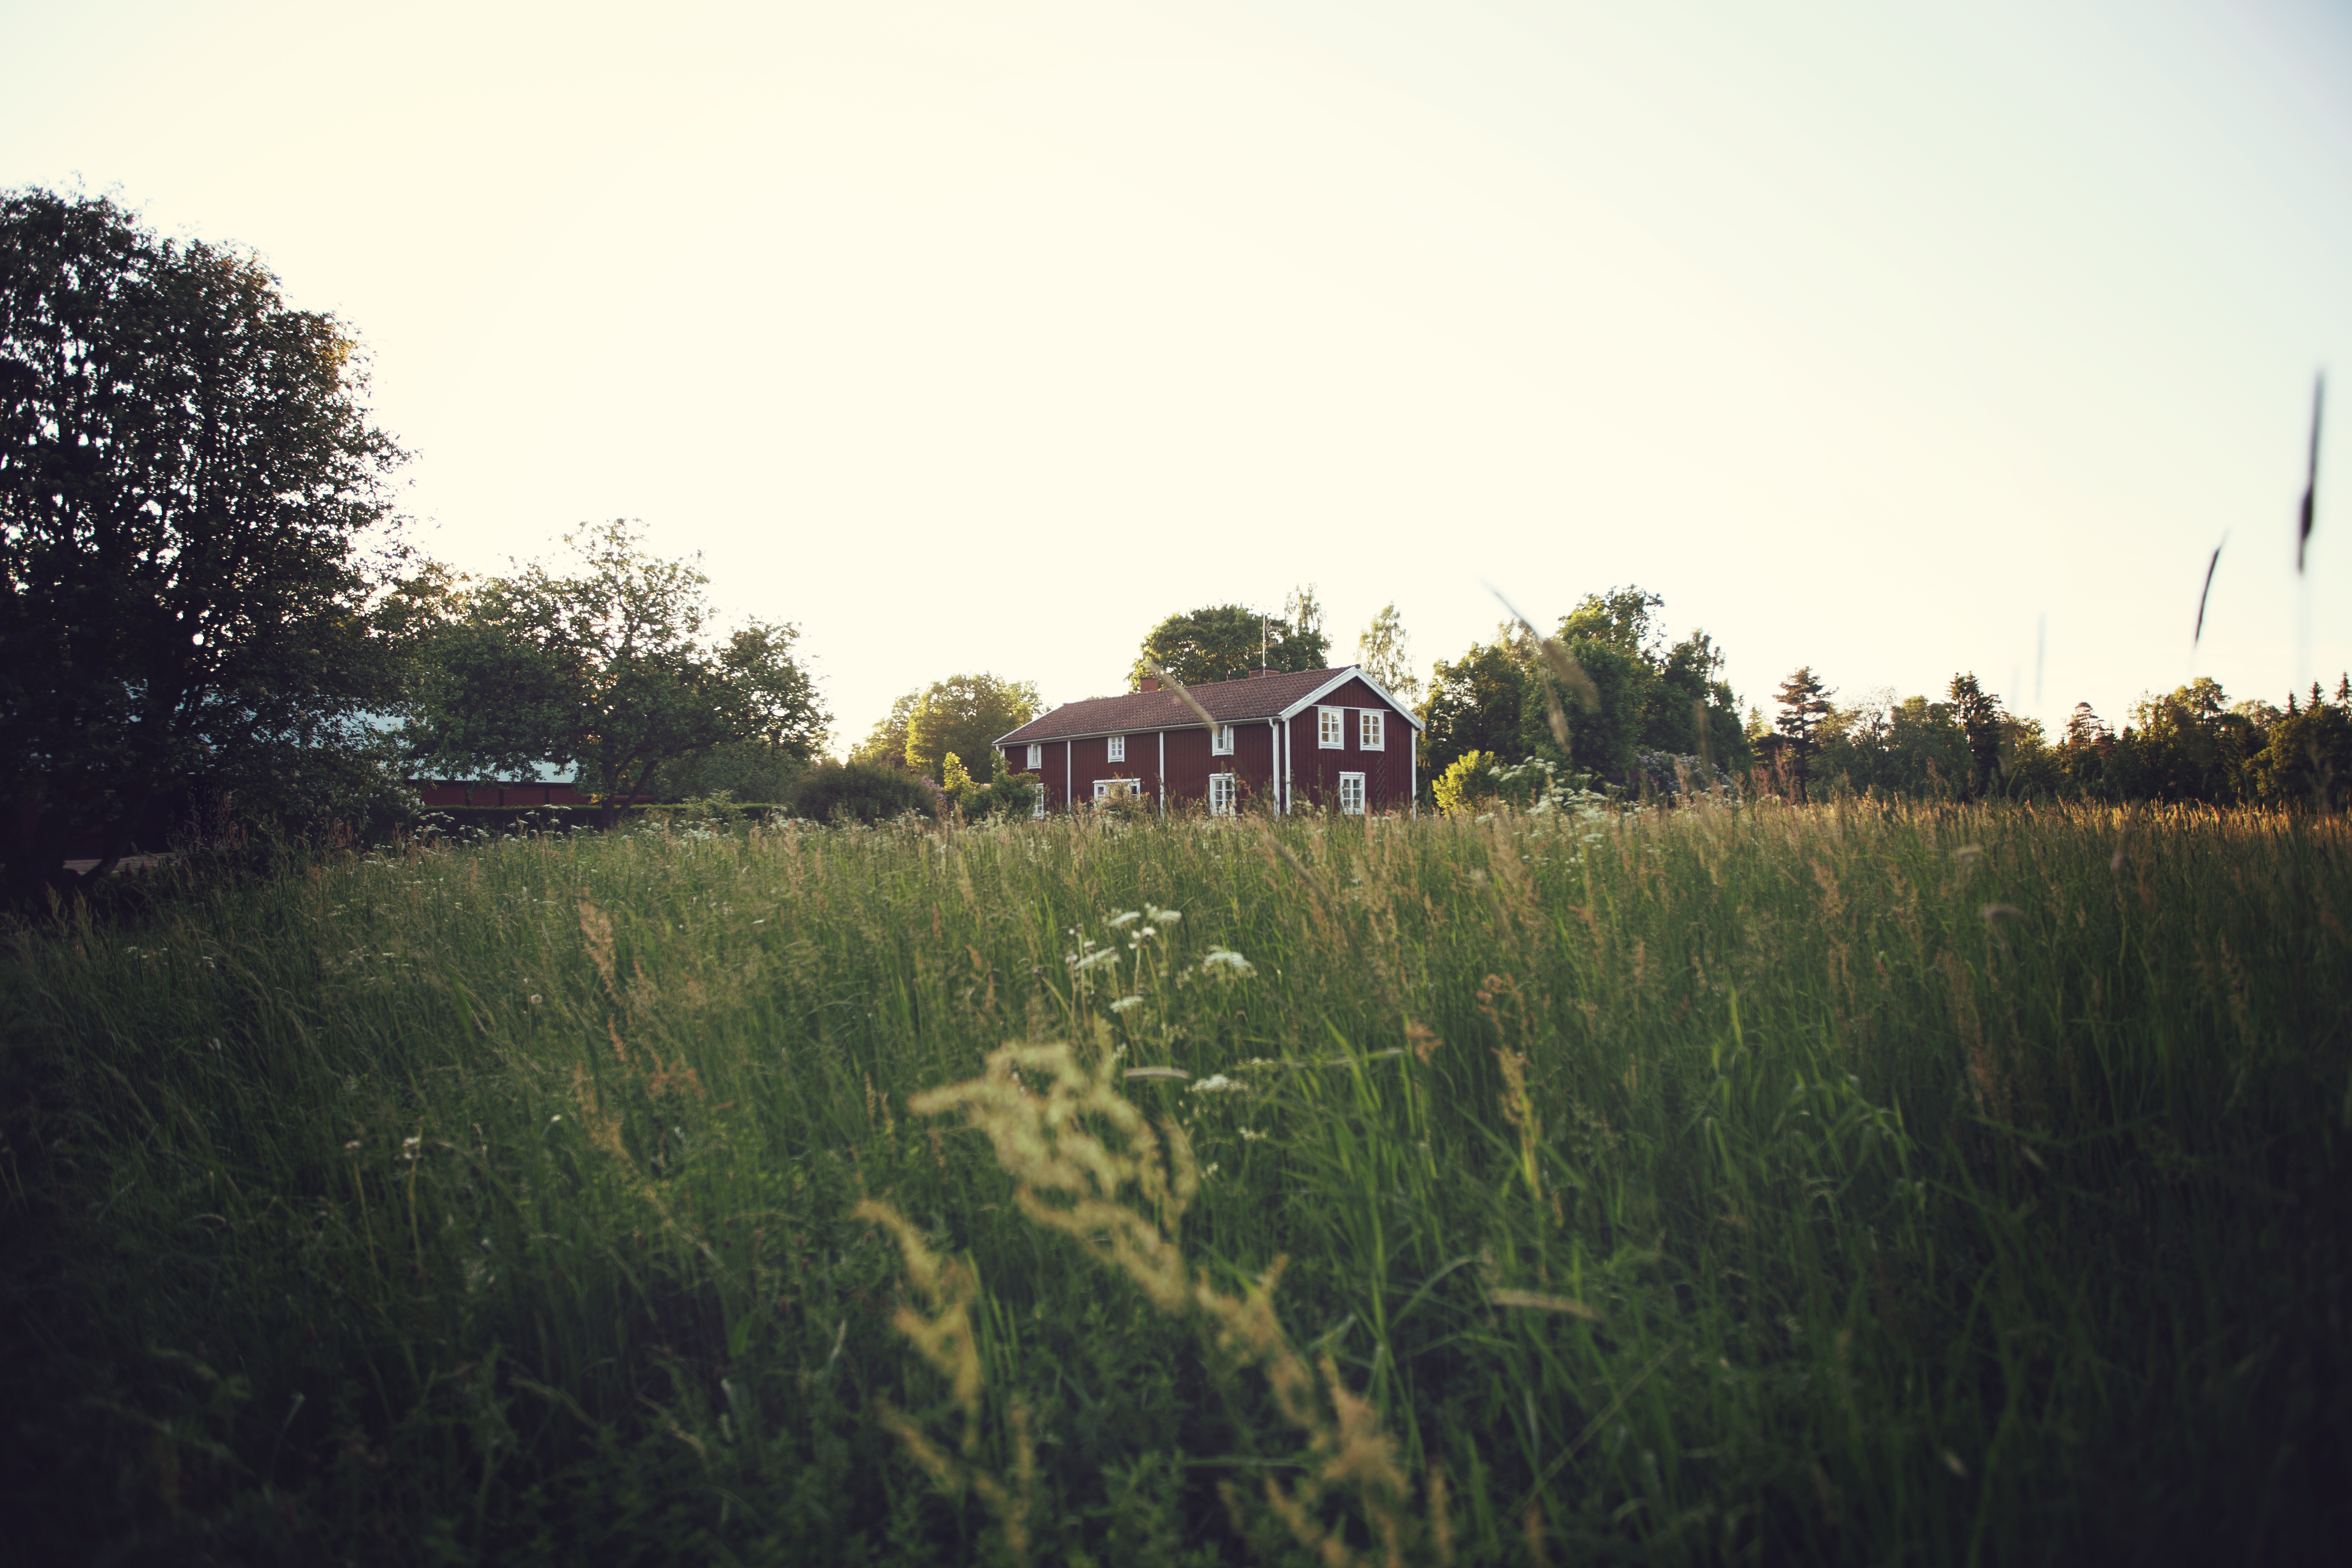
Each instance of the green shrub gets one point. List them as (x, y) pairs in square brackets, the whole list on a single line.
[(862, 792), (1007, 794), (1467, 784)]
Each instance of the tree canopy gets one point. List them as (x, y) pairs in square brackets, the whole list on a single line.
[(886, 745), (1645, 695), (963, 716), (1224, 642), (607, 666), (1474, 704), (1385, 652), (189, 476)]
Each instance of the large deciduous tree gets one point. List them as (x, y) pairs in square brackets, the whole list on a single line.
[(886, 745), (1225, 642), (607, 666), (1386, 654), (963, 716), (1640, 694), (188, 477), (1473, 705)]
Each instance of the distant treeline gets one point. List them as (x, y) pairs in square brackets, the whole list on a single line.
[(2192, 744), (1607, 697)]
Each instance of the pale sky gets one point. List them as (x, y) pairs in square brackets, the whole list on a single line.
[(977, 336)]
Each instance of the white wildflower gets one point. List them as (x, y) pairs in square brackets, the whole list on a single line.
[(1218, 1083), (1128, 919), (1163, 917), (1124, 1003), (1095, 960), (1225, 958), (1251, 1135)]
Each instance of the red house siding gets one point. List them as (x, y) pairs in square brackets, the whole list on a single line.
[(1315, 771), (1175, 765)]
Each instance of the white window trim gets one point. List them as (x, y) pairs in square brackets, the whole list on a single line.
[(1039, 812), (1134, 788), (1371, 730), (1357, 780), (1221, 740), (1114, 748), (1036, 757), (1232, 782), (1331, 729)]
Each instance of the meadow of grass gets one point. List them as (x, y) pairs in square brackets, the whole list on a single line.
[(1838, 1183)]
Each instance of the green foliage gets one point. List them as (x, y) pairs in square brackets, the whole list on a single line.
[(744, 769), (1913, 748), (187, 473), (886, 745), (1473, 705), (1466, 784), (1981, 721), (1604, 735), (1223, 642), (2185, 745), (1638, 694), (2307, 756), (608, 665), (965, 714), (863, 793), (1007, 796), (1385, 652), (1773, 1184)]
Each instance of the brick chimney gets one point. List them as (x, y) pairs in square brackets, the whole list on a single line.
[(1150, 683)]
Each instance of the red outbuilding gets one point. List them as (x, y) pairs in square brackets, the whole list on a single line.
[(1329, 740)]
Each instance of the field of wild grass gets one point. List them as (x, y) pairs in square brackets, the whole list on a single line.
[(1825, 1184)]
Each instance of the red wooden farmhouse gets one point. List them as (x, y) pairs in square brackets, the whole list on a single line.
[(1329, 740)]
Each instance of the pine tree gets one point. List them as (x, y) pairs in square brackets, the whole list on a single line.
[(1805, 705), (1980, 714)]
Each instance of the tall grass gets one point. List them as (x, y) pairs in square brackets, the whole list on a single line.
[(1863, 1185)]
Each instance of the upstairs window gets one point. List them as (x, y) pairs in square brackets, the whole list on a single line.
[(1351, 794), (1331, 728), (1118, 744), (1222, 790), (1372, 731), (1221, 740), (1036, 756)]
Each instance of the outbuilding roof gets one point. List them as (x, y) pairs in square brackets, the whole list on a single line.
[(1261, 697)]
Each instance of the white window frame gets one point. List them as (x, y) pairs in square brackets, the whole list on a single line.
[(1351, 794), (1036, 757), (1221, 740), (1114, 748), (1038, 812), (1331, 729), (1133, 790), (1224, 789), (1371, 730)]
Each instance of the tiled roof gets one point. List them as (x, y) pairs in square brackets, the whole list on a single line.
[(1227, 701)]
